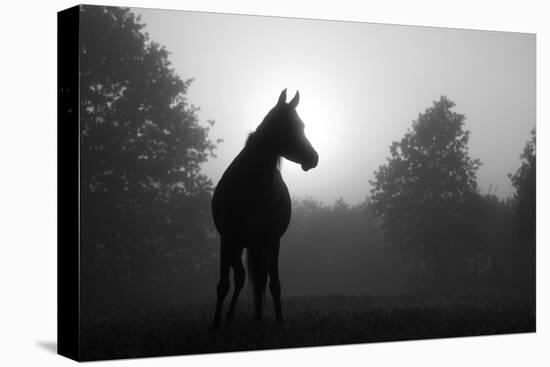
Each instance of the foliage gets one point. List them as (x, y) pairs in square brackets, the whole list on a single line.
[(524, 182), (337, 248), (141, 151), (426, 193)]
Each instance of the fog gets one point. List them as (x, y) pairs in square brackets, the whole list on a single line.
[(361, 86)]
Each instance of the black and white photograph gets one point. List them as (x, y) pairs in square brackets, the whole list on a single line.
[(216, 180), (262, 182)]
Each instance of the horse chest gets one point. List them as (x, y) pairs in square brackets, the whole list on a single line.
[(248, 206)]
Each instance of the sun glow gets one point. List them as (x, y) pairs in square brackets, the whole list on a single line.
[(318, 128)]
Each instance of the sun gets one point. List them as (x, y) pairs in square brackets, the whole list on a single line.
[(318, 128)]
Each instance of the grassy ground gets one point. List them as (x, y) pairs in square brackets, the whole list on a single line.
[(309, 321)]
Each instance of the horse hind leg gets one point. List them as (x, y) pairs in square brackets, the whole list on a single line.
[(239, 275), (259, 293), (223, 285)]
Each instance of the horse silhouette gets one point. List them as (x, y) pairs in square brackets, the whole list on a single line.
[(251, 206)]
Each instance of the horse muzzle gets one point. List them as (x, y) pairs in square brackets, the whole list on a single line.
[(312, 163)]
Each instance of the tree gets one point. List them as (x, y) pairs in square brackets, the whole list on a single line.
[(426, 193), (524, 183), (144, 197)]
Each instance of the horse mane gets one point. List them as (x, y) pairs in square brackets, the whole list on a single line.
[(250, 139)]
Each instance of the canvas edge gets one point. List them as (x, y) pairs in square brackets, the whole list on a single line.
[(68, 181)]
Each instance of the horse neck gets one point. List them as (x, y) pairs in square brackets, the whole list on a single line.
[(262, 158)]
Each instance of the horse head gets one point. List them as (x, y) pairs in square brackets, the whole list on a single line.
[(286, 130)]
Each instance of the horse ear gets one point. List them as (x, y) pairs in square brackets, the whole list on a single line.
[(282, 98), (295, 100)]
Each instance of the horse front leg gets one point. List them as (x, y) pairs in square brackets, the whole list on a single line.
[(274, 282), (257, 267)]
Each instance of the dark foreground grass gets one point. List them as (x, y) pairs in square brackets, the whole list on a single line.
[(309, 321)]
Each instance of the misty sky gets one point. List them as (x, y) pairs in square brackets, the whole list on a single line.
[(361, 85)]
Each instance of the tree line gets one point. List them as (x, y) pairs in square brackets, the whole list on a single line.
[(146, 224)]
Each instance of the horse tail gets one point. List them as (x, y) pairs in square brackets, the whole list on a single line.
[(257, 271)]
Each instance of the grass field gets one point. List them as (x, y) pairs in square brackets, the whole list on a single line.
[(309, 321)]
